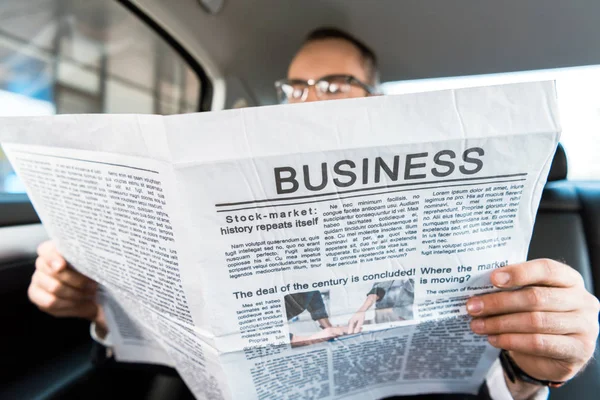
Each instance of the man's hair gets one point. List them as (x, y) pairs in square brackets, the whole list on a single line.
[(369, 58)]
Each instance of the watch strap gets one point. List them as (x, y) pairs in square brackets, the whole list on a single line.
[(514, 372)]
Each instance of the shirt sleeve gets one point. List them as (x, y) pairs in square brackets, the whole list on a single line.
[(499, 390), (105, 341), (380, 289), (316, 307)]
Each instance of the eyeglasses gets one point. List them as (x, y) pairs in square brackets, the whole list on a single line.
[(329, 87)]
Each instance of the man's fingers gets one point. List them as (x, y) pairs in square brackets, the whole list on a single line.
[(542, 272), (351, 325), (526, 299), (555, 323), (58, 307), (66, 275), (47, 251), (87, 310), (557, 347), (75, 279), (59, 289), (47, 301), (359, 325), (356, 326)]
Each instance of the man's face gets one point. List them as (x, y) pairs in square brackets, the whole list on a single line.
[(328, 57)]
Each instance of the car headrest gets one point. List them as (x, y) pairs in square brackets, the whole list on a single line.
[(558, 169)]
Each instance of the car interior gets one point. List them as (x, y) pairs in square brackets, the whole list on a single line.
[(180, 56)]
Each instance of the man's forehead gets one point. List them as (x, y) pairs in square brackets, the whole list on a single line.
[(327, 57)]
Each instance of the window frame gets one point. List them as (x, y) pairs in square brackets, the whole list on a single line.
[(16, 208), (206, 89)]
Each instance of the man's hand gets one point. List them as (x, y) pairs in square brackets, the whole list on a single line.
[(356, 322), (324, 335), (336, 331), (549, 323), (59, 290)]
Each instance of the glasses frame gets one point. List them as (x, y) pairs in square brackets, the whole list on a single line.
[(349, 79)]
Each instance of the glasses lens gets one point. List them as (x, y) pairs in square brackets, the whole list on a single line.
[(333, 87), (291, 92)]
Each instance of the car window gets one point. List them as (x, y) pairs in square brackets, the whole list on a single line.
[(65, 57), (578, 93)]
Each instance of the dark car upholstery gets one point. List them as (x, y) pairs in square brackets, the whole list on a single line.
[(567, 229)]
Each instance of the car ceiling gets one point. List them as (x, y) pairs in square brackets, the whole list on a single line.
[(254, 40), (250, 42)]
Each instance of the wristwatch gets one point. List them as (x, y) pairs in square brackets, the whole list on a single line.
[(514, 372)]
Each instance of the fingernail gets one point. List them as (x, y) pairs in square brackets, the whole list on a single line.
[(474, 306), (56, 264), (493, 339), (477, 325), (501, 278)]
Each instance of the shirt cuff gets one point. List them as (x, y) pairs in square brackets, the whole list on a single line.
[(499, 390), (106, 341)]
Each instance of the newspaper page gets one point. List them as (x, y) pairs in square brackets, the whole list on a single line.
[(314, 251)]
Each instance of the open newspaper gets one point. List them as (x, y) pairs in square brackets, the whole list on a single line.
[(311, 251)]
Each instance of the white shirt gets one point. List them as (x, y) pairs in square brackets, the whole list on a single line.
[(495, 378)]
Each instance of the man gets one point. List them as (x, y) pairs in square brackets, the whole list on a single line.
[(548, 324)]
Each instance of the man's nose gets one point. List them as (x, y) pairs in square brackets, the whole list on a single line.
[(312, 94)]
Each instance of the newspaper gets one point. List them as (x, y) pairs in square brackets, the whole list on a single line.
[(311, 251)]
